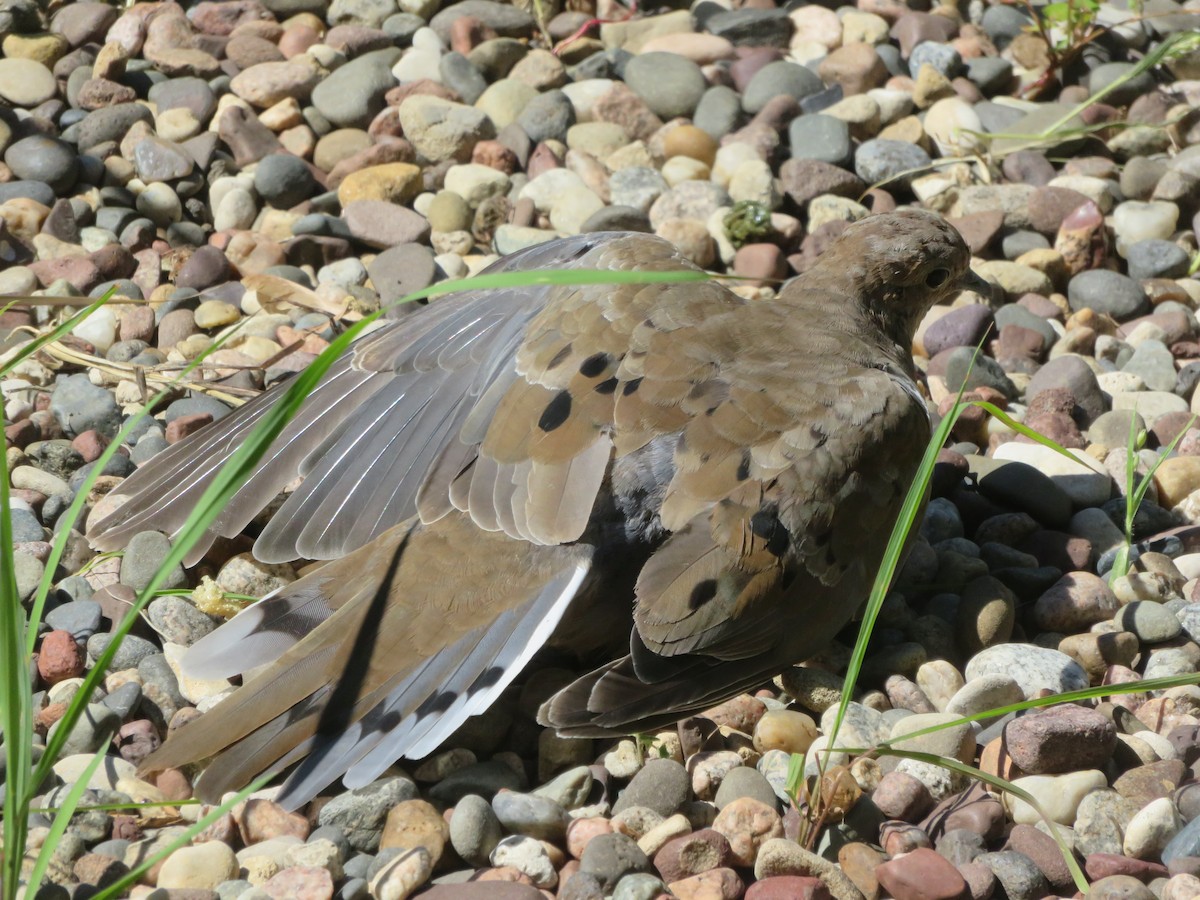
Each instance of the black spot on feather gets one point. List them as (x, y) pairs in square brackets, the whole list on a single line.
[(608, 386), (594, 365), (556, 412), (702, 593), (766, 525), (631, 386), (743, 469)]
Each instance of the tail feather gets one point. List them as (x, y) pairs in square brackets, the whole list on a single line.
[(385, 673), (612, 700)]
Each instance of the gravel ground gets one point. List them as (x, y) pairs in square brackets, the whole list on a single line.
[(217, 159)]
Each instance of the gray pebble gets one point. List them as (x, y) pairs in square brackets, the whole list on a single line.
[(361, 813), (1157, 259), (669, 84), (149, 446), (144, 553), (1105, 75), (1033, 668), (610, 857), (745, 782), (882, 160), (822, 138), (1002, 23), (474, 829), (990, 74), (284, 180), (718, 112), (662, 785), (45, 159), (752, 27), (82, 406), (352, 95), (28, 571), (460, 73), (38, 191), (485, 779), (125, 699), (1017, 873), (197, 403), (132, 651), (188, 92), (1072, 373), (82, 618), (944, 58), (1153, 361), (399, 271), (93, 729), (1107, 292), (1018, 242), (1151, 622), (531, 815), (178, 621), (25, 525), (547, 117), (779, 78)]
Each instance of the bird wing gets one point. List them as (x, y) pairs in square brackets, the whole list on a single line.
[(397, 423)]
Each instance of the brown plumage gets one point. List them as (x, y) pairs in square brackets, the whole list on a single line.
[(503, 460)]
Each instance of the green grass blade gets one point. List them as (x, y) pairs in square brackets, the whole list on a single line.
[(62, 818), (17, 711), (891, 559), (118, 887), (1092, 693), (1022, 429), (1007, 787)]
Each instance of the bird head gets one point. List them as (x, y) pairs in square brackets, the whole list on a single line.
[(895, 266)]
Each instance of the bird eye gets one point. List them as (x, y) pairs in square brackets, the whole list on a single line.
[(937, 278)]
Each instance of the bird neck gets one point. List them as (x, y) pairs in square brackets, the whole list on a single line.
[(881, 321)]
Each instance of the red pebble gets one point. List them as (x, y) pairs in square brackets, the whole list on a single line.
[(60, 658)]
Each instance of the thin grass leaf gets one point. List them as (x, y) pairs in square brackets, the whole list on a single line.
[(1092, 693), (75, 510), (59, 331), (1177, 44), (62, 818), (117, 888), (16, 709), (1135, 495), (1007, 787), (883, 579), (118, 807), (1022, 429)]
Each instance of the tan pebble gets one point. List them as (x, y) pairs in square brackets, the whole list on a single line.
[(203, 866), (692, 142), (747, 823), (784, 729)]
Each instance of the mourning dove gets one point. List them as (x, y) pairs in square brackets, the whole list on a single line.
[(505, 463)]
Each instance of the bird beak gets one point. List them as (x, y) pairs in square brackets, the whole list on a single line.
[(973, 281)]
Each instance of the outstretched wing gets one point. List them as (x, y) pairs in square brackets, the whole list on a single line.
[(492, 402)]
